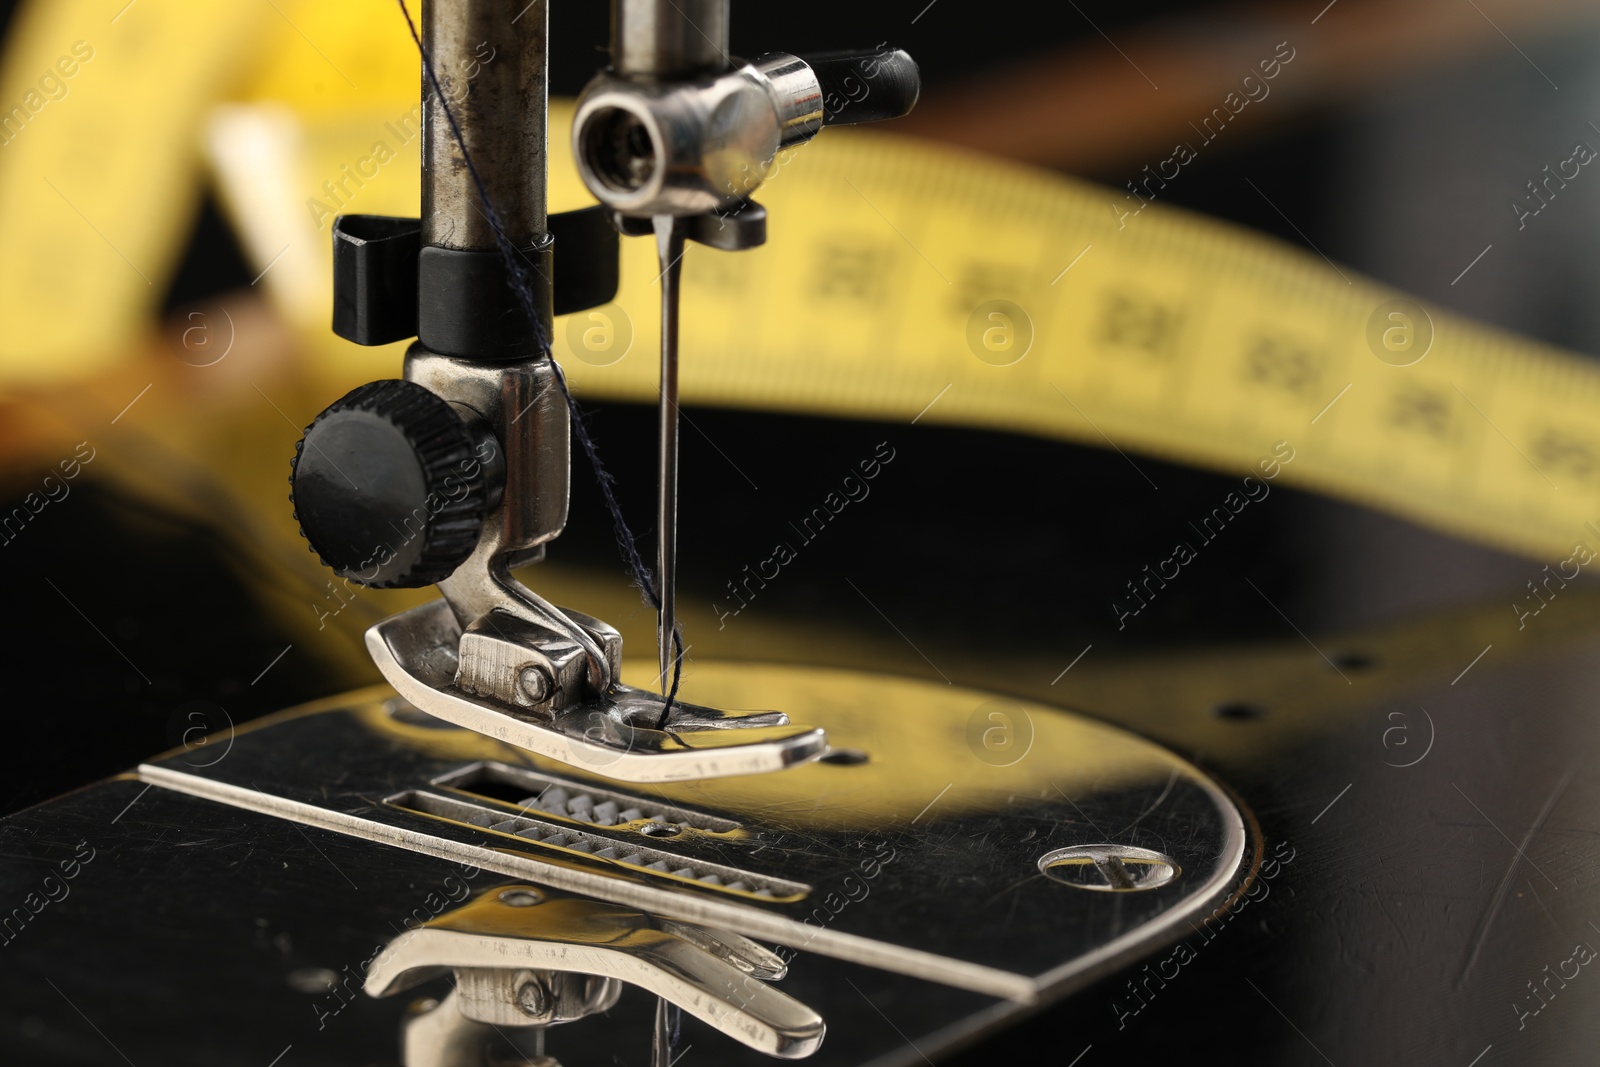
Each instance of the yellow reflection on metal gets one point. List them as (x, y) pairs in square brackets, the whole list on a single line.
[(919, 738)]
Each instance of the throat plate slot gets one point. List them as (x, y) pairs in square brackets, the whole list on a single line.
[(624, 843)]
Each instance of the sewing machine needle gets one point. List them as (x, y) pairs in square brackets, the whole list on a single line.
[(669, 245)]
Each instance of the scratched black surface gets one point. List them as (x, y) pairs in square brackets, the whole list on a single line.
[(1416, 910), (173, 945), (1418, 905)]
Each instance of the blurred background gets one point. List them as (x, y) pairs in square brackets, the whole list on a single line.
[(168, 587)]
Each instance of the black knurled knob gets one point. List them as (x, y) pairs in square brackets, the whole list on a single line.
[(388, 486)]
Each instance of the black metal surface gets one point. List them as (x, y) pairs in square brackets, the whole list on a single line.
[(144, 694), (743, 228), (375, 278), (190, 933), (466, 308), (1419, 904), (587, 259)]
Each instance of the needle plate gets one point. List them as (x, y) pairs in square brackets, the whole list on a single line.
[(950, 835)]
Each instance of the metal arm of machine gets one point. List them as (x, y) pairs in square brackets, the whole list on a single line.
[(458, 473)]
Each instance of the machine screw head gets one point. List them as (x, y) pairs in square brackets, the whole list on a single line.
[(534, 684), (534, 999)]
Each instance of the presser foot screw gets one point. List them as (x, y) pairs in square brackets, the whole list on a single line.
[(533, 999), (535, 685)]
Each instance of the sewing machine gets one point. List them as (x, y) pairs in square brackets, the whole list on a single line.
[(507, 854)]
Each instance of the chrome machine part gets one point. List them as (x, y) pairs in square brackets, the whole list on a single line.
[(500, 107), (504, 661), (647, 148), (519, 407), (674, 138), (796, 92), (931, 853), (628, 151), (494, 656), (652, 39), (677, 127), (438, 1033), (514, 647), (617, 733), (290, 932), (528, 956)]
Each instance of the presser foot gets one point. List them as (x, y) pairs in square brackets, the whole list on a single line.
[(465, 677)]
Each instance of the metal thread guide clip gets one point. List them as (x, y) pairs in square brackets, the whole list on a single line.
[(459, 472)]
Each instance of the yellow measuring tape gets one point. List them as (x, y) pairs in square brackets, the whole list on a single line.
[(902, 281), (100, 169)]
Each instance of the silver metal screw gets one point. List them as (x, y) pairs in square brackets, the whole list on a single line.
[(535, 685), (533, 999)]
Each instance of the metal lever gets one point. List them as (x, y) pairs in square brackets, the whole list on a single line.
[(525, 956)]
